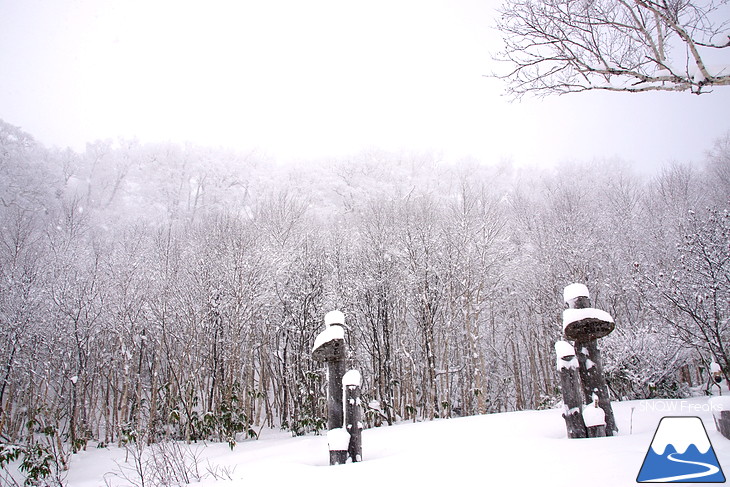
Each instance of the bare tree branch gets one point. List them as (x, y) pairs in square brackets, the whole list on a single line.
[(565, 46)]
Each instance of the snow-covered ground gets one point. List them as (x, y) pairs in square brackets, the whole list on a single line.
[(520, 448)]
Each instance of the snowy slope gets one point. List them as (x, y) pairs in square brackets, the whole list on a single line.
[(522, 448)]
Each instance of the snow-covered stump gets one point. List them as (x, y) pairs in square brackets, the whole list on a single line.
[(585, 325), (329, 347), (567, 365), (351, 383)]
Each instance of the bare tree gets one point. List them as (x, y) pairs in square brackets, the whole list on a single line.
[(698, 288), (564, 46), (718, 169)]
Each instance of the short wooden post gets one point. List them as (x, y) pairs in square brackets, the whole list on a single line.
[(585, 325), (567, 365), (715, 378), (722, 421), (353, 420), (594, 419), (329, 347), (338, 440), (720, 408)]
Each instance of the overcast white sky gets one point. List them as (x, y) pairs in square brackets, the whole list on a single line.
[(308, 79)]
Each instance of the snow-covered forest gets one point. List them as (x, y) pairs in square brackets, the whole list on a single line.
[(161, 291)]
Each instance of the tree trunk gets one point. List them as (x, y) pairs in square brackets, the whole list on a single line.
[(152, 422), (519, 398), (387, 377), (535, 379), (428, 344)]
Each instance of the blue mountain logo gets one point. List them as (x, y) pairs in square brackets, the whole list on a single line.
[(681, 452)]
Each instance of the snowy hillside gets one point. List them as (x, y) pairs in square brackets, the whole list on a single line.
[(526, 448)]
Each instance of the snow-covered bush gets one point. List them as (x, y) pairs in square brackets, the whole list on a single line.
[(228, 420), (165, 464), (309, 418), (37, 463), (642, 364)]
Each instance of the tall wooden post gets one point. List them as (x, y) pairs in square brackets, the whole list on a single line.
[(586, 325), (329, 347), (567, 364), (594, 382)]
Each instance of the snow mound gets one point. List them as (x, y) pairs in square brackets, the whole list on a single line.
[(575, 290), (334, 318)]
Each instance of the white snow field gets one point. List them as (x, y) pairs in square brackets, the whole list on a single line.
[(527, 448)]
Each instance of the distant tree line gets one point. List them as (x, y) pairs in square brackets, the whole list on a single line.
[(163, 291)]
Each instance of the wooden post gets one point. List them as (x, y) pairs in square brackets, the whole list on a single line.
[(338, 440), (720, 408), (567, 364), (329, 347), (722, 421), (594, 419), (353, 420), (335, 412), (715, 377), (594, 383), (585, 325)]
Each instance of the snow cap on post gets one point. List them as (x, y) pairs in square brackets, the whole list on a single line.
[(587, 324), (594, 416), (352, 378), (335, 317), (329, 334), (566, 355), (338, 439), (574, 291), (573, 315), (564, 349)]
